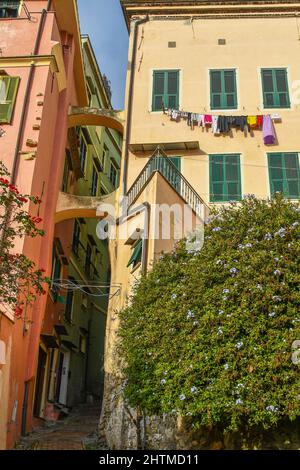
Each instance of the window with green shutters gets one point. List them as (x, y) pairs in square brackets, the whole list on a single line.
[(284, 174), (223, 93), (225, 178), (165, 89), (8, 92), (136, 254), (275, 88)]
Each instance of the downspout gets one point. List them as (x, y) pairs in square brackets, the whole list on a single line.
[(129, 103)]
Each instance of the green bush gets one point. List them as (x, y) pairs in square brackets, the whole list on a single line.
[(209, 335)]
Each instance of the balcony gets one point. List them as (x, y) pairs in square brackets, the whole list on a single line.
[(70, 206), (97, 117), (159, 162)]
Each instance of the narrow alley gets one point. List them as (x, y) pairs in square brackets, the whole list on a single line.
[(78, 431)]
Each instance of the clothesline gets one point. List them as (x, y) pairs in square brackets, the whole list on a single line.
[(222, 124)]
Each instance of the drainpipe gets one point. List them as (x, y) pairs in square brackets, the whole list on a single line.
[(130, 96)]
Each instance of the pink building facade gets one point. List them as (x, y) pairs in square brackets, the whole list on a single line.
[(40, 50)]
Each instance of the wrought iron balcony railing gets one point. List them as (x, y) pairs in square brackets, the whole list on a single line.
[(161, 163)]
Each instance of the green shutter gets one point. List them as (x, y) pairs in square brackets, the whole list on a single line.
[(284, 174), (225, 178), (223, 92), (275, 88), (137, 254), (8, 98), (165, 89)]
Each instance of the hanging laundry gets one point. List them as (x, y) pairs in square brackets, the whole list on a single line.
[(189, 119), (224, 124), (215, 129), (259, 121), (241, 122), (208, 119), (252, 122), (201, 120), (269, 135), (174, 115)]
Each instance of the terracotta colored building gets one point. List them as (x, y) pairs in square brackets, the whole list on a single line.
[(41, 76)]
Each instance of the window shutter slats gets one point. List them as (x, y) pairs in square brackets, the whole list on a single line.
[(223, 89), (225, 178), (284, 174), (165, 89)]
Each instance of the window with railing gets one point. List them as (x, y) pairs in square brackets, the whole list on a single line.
[(9, 9)]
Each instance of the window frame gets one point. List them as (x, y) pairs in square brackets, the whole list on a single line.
[(12, 102), (94, 189), (285, 179), (213, 199), (165, 95), (83, 162), (116, 175), (18, 10), (275, 93), (223, 94)]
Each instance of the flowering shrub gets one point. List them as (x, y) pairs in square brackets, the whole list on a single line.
[(209, 335), (20, 281)]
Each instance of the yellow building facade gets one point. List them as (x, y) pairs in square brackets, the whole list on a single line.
[(234, 59)]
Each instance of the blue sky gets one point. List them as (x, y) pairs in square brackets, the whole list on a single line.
[(103, 21)]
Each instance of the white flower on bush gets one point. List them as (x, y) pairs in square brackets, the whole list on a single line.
[(182, 397), (226, 291), (226, 366), (217, 229), (239, 401), (239, 345), (272, 314), (163, 381), (277, 272), (174, 296), (194, 389), (195, 323), (221, 312), (220, 331), (233, 271), (268, 236), (190, 314)]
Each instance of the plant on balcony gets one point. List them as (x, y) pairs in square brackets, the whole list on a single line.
[(20, 281), (209, 336)]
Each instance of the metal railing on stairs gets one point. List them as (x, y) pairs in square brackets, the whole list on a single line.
[(161, 163)]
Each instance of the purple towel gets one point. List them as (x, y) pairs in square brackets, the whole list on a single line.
[(268, 131)]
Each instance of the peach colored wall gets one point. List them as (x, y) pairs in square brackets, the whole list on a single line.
[(251, 44), (44, 173)]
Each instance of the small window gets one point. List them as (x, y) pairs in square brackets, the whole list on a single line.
[(113, 175), (165, 89), (223, 93), (76, 237), (82, 153), (284, 174), (94, 188), (69, 303), (136, 256), (225, 178), (8, 92), (56, 273), (88, 259), (275, 88), (9, 9), (82, 344)]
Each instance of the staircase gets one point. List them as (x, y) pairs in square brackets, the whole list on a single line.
[(161, 163)]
